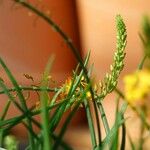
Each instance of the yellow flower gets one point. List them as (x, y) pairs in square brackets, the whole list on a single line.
[(67, 86), (88, 95), (137, 86)]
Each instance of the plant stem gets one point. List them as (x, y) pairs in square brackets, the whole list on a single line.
[(32, 88), (123, 141), (141, 64), (120, 93), (141, 140), (3, 115), (21, 98), (5, 110), (53, 25), (70, 45), (142, 128), (45, 121), (44, 98), (31, 113), (104, 118), (90, 122), (97, 122), (65, 125), (138, 111), (1, 137)]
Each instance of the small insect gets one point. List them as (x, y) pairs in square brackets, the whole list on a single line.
[(28, 77)]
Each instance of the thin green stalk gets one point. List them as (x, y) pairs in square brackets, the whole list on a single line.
[(97, 121), (1, 137), (68, 119), (90, 123), (45, 121), (31, 131), (141, 140), (21, 98), (141, 64), (120, 93), (68, 42), (120, 120), (33, 113), (142, 128), (3, 115), (12, 124), (65, 125), (57, 115), (12, 120), (11, 98), (54, 98), (138, 111), (104, 118), (62, 143), (95, 110), (32, 88), (44, 103), (123, 141), (14, 82), (115, 141), (5, 110)]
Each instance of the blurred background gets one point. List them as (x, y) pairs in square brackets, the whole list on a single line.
[(26, 42)]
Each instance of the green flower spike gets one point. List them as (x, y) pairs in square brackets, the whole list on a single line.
[(110, 80)]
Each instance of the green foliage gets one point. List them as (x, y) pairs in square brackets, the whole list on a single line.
[(80, 91)]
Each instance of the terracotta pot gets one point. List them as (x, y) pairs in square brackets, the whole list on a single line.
[(26, 43), (97, 31)]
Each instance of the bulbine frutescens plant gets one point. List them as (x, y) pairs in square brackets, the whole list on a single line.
[(77, 90)]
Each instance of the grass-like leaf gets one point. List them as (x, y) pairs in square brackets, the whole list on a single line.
[(20, 95), (123, 141), (44, 103), (116, 126), (115, 140)]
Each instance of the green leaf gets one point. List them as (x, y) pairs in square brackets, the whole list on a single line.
[(115, 140), (5, 110), (44, 103), (116, 126), (65, 125), (16, 85), (21, 97), (123, 141)]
